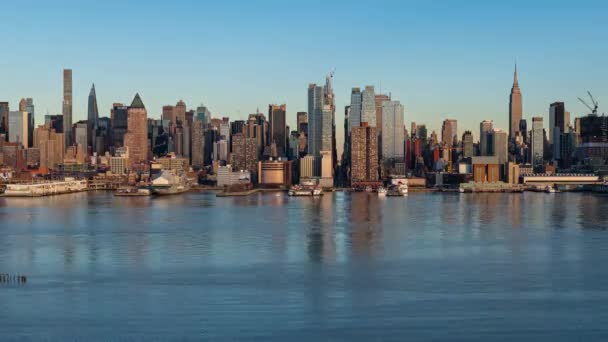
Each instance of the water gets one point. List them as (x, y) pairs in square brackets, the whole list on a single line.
[(493, 267)]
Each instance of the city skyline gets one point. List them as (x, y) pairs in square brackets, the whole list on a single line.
[(471, 86)]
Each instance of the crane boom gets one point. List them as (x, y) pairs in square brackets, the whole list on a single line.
[(592, 99), (586, 105)]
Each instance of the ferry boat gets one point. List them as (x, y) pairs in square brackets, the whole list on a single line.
[(169, 183), (397, 191), (68, 185), (299, 190), (133, 192)]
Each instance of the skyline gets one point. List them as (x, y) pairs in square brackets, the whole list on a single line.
[(233, 69)]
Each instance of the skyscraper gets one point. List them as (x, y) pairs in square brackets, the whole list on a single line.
[(278, 128), (392, 132), (119, 119), (4, 109), (515, 107), (198, 143), (180, 113), (500, 145), (368, 106), (321, 121), (559, 122), (449, 131), (92, 118), (17, 127), (29, 108), (379, 100), (468, 150), (364, 154), (136, 138), (67, 106), (315, 119), (354, 116), (537, 142), (302, 122), (485, 129)]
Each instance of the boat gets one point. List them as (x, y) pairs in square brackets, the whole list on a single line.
[(382, 191), (369, 188), (550, 190), (47, 188), (169, 183), (135, 192), (299, 190), (396, 191)]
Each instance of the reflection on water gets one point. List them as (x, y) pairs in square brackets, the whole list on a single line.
[(354, 266)]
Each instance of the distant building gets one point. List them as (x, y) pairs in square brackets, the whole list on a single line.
[(468, 148), (171, 162), (354, 116), (380, 99), (486, 169), (302, 122), (278, 128), (364, 154), (198, 143), (4, 110), (18, 127), (119, 118), (537, 142), (274, 173), (244, 154), (67, 106), (327, 177), (118, 165), (307, 167), (485, 129), (81, 135), (368, 106), (392, 133), (180, 113), (92, 119), (449, 132), (226, 176), (515, 107), (500, 146), (136, 138)]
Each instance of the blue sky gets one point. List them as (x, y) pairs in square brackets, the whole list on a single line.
[(442, 59)]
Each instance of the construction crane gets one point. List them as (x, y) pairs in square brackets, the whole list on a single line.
[(593, 101)]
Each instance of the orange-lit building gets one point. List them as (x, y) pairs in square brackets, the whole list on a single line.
[(274, 173), (486, 169)]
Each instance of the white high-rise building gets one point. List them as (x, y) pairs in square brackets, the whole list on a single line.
[(368, 106), (392, 130)]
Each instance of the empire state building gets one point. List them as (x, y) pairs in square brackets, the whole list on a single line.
[(515, 107)]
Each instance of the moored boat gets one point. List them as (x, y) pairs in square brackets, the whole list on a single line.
[(169, 183)]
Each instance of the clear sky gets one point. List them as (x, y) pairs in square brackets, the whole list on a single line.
[(442, 59)]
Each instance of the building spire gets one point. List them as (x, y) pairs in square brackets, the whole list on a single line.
[(515, 82)]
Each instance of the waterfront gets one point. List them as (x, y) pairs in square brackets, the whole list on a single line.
[(497, 267)]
